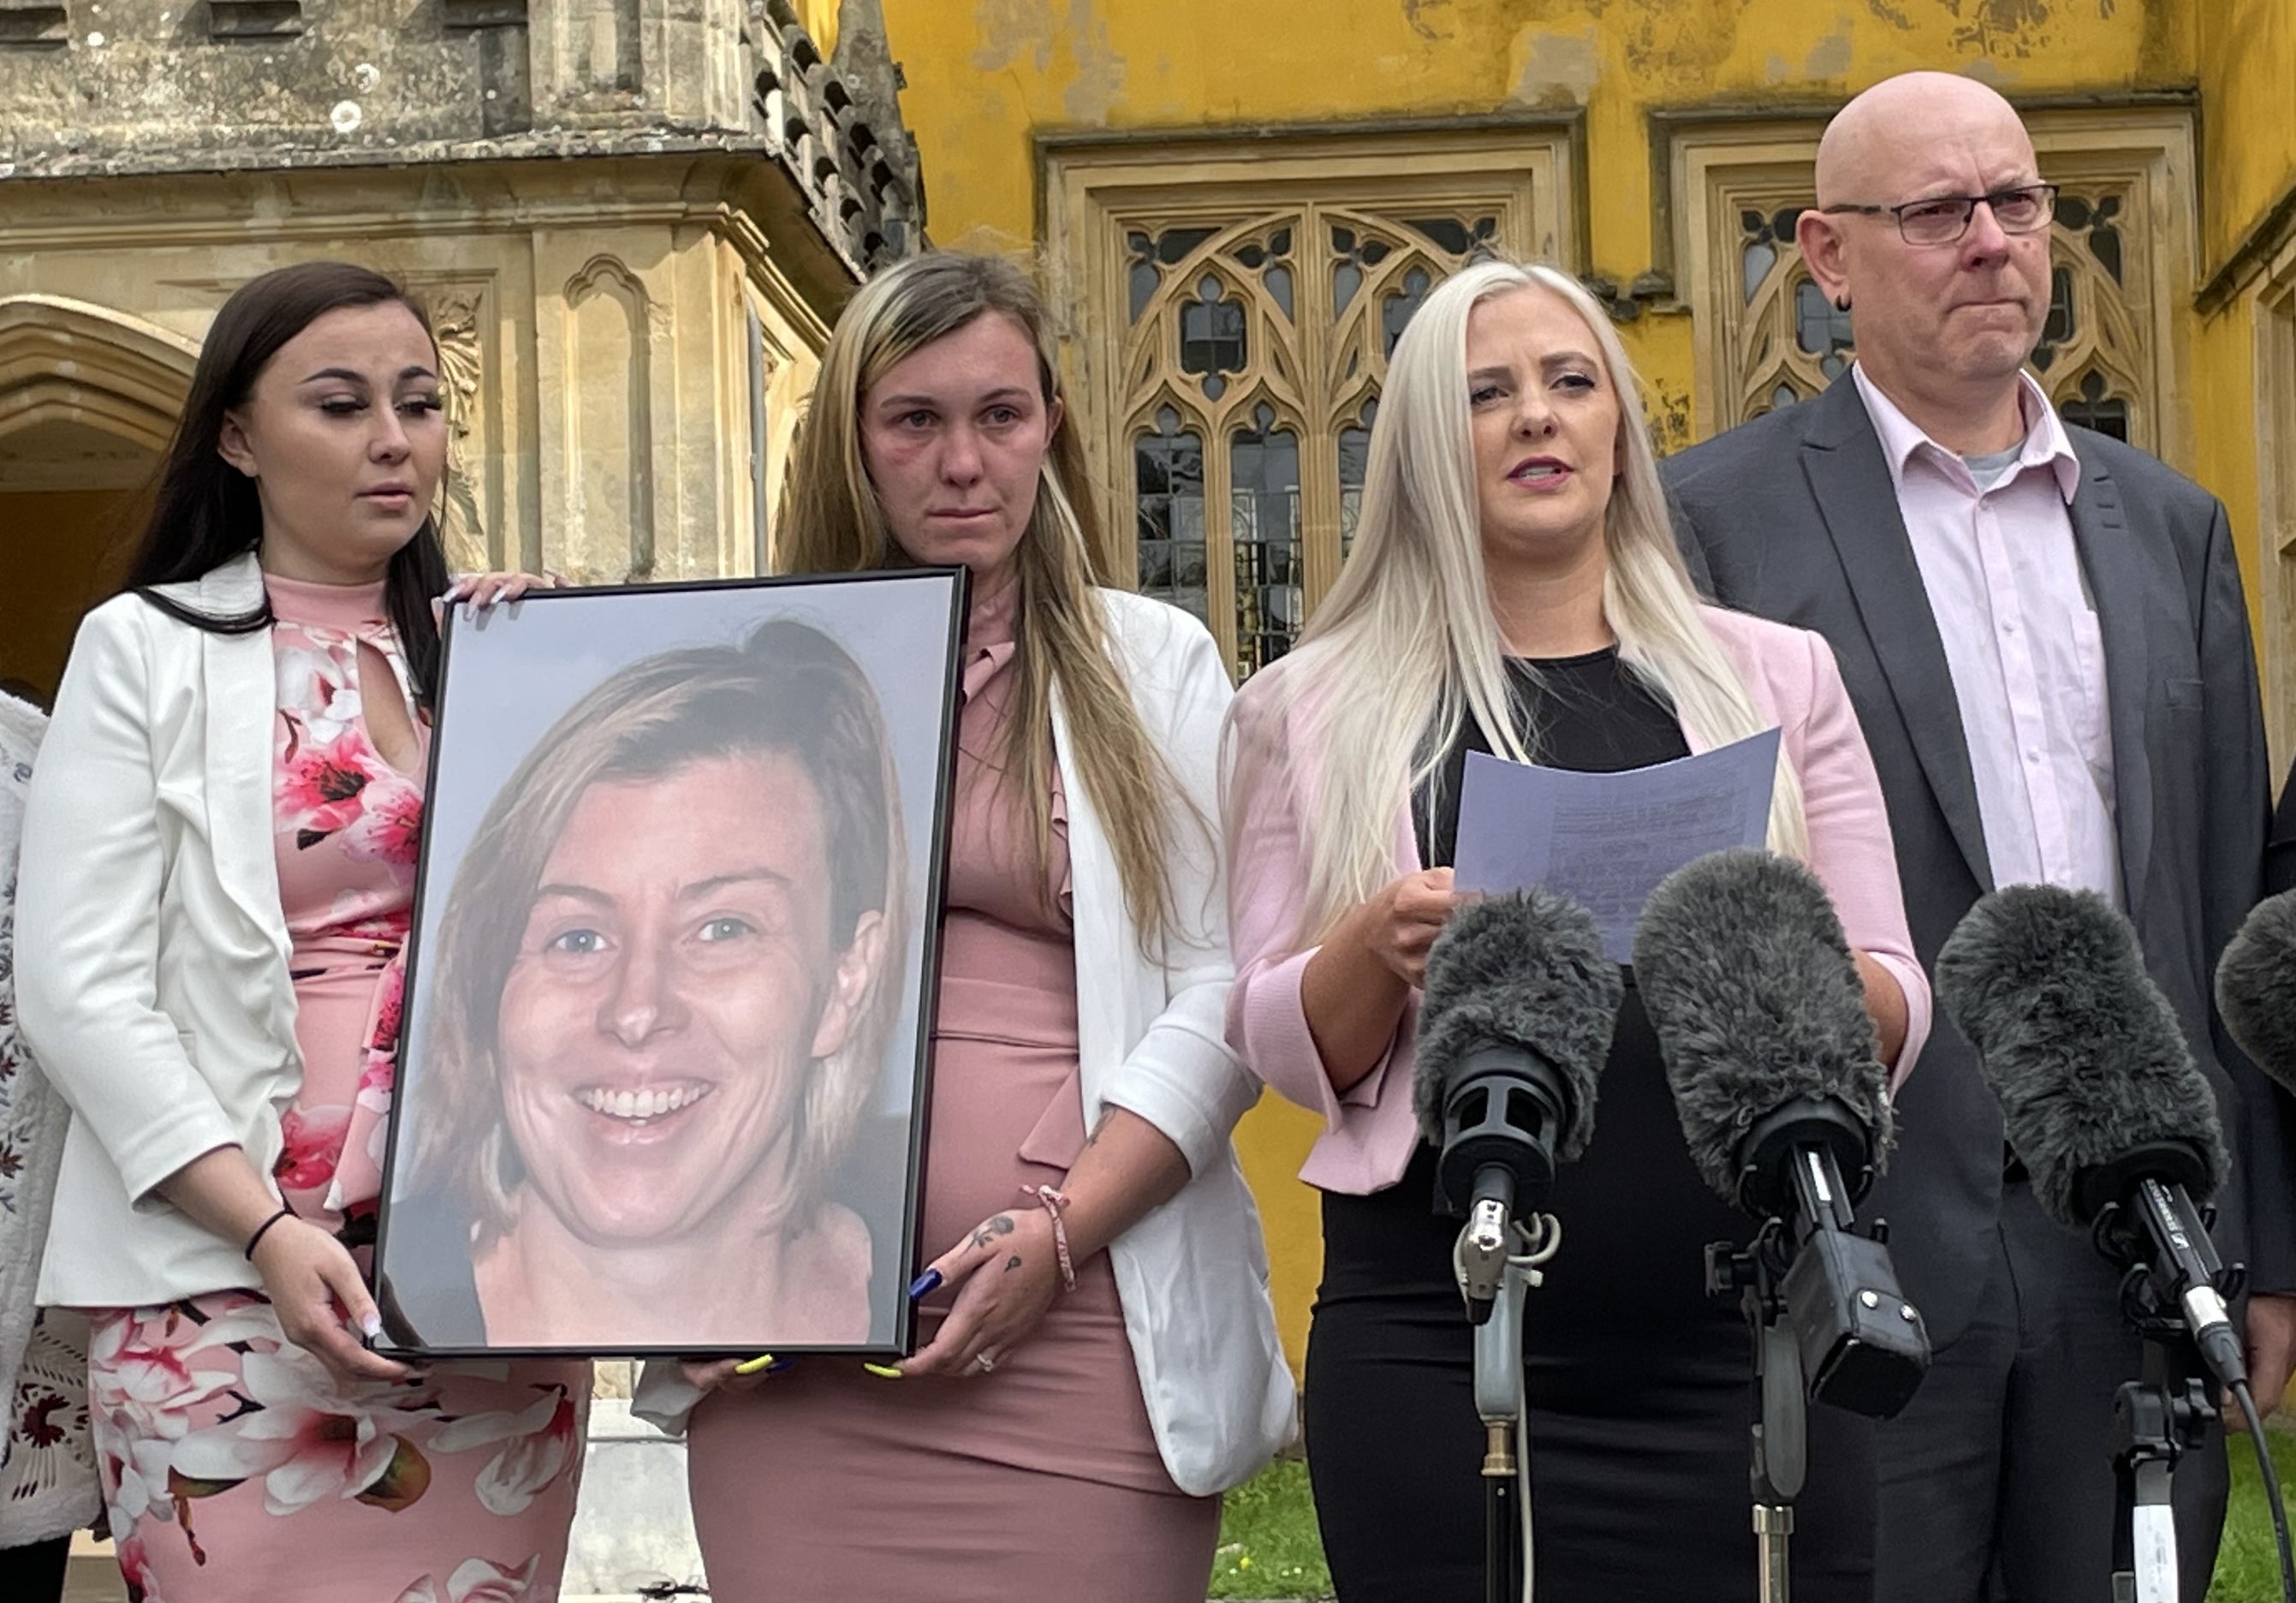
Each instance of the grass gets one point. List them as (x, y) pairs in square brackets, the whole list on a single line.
[(2248, 1568), (1269, 1548), (1269, 1544)]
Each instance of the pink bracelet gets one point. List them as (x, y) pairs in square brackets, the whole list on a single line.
[(1054, 1200)]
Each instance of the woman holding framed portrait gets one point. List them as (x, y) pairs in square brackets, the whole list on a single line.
[(1101, 1357), (217, 878)]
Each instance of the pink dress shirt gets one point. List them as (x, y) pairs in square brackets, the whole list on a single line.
[(2021, 640), (1370, 1133)]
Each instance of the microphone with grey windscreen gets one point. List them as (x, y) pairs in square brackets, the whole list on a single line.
[(1772, 1057), (1515, 1018), (2256, 988), (2100, 1097)]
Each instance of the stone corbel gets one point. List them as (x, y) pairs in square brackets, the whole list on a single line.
[(254, 19), (33, 22)]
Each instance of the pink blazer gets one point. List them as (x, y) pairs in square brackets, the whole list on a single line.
[(1369, 1132)]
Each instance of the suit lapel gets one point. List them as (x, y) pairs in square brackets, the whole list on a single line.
[(1841, 456), (241, 685), (2101, 537)]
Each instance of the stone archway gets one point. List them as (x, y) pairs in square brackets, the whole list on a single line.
[(88, 400)]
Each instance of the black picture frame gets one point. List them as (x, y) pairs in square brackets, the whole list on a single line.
[(511, 684)]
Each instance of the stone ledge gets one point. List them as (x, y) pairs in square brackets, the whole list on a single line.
[(484, 14), (37, 23), (254, 19)]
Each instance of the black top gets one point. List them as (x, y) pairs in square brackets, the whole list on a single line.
[(1591, 714)]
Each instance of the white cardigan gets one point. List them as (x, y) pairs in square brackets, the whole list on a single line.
[(1152, 1039), (151, 947)]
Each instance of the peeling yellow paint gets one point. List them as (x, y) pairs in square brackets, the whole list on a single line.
[(1830, 58), (1552, 70), (1098, 86)]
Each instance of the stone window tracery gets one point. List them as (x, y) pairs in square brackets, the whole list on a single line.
[(1232, 332)]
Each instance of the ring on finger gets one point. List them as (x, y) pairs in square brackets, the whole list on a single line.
[(986, 1362)]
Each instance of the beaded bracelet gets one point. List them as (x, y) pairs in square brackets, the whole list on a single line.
[(284, 1212), (1054, 1200)]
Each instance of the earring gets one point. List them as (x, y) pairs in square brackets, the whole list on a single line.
[(1841, 301)]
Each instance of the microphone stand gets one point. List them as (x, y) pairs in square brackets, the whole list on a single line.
[(1497, 1263), (1822, 1307), (2160, 1417), (1778, 1441)]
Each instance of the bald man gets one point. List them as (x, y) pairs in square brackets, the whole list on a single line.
[(2044, 634)]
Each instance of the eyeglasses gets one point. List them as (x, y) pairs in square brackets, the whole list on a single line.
[(1941, 219)]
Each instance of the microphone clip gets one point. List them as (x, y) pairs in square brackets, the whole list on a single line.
[(1492, 1242)]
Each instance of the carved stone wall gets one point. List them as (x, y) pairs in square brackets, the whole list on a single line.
[(104, 87), (633, 221)]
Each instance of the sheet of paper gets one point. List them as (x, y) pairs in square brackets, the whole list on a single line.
[(1606, 840)]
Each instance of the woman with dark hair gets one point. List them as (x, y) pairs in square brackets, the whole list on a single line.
[(217, 870), (664, 982)]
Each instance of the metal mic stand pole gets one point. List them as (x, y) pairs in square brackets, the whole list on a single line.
[(1778, 1440), (1499, 1386)]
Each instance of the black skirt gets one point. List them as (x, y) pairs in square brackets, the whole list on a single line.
[(1639, 1388)]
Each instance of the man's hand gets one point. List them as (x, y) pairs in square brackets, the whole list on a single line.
[(2270, 1338)]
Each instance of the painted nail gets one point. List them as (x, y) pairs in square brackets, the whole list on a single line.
[(371, 1325), (924, 1285), (882, 1371), (763, 1362)]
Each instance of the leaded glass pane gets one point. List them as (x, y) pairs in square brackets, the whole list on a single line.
[(1212, 332), (1278, 280), (1355, 462), (2092, 409), (1395, 310), (1264, 519), (1168, 469), (1760, 257), (1820, 328)]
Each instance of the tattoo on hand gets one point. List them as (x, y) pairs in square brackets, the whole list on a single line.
[(1012, 1263), (1002, 1225)]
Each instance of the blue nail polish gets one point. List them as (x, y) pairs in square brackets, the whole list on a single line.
[(924, 1285)]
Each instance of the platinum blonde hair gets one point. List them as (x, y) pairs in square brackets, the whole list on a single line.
[(1409, 625)]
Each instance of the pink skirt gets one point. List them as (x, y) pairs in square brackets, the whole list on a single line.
[(1040, 1480)]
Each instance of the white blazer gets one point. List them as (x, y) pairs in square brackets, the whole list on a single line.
[(151, 946), (1151, 1038)]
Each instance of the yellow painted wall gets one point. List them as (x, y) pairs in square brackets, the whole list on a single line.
[(2247, 71), (986, 77)]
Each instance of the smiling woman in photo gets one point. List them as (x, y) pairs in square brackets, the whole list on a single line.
[(664, 982)]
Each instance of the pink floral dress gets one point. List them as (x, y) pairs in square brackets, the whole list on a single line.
[(234, 1464)]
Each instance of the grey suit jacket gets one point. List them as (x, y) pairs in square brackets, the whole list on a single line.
[(1794, 516)]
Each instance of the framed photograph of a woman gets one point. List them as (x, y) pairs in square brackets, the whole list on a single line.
[(664, 1072)]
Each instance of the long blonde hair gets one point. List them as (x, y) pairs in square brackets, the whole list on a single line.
[(1409, 628), (832, 522)]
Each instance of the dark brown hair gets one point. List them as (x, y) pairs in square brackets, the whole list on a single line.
[(204, 511)]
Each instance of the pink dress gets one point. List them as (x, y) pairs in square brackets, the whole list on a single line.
[(235, 1466), (1042, 1479)]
